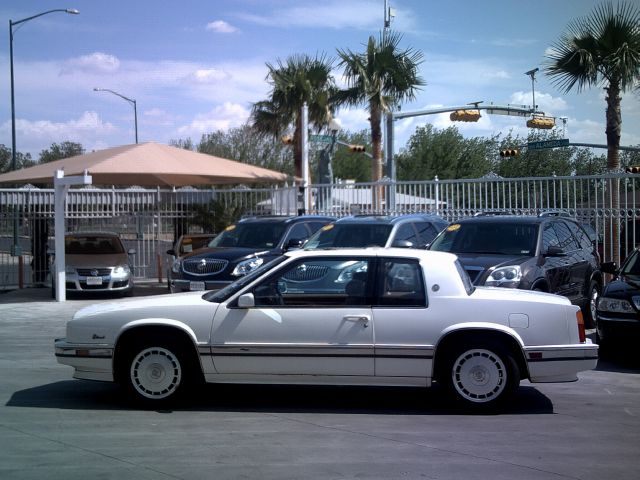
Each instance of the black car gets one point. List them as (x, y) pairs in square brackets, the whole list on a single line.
[(549, 253), (618, 311), (240, 248), (408, 231)]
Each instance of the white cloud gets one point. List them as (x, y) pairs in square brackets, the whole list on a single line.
[(223, 117), (220, 26), (96, 63), (546, 102), (208, 76)]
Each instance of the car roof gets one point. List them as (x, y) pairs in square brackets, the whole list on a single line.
[(285, 219), (391, 219), (524, 219), (91, 234), (433, 257)]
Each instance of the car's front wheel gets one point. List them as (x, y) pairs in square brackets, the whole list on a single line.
[(481, 377), (589, 311), (157, 371)]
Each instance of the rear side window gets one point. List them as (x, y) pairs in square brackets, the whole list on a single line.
[(407, 232), (400, 283)]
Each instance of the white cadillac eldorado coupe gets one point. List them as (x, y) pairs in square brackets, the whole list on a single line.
[(393, 317)]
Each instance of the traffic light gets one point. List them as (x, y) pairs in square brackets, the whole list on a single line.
[(357, 148), (541, 122), (287, 139), (465, 116), (632, 169), (509, 152)]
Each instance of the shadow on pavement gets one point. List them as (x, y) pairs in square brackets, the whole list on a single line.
[(86, 395)]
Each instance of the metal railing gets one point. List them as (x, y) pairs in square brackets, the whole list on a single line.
[(149, 220)]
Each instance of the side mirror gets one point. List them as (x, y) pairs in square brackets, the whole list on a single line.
[(294, 243), (246, 300), (132, 251), (171, 251), (402, 244), (609, 267), (555, 251)]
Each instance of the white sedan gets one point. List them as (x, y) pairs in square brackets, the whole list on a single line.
[(392, 317)]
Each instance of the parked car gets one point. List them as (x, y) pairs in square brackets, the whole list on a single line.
[(393, 317), (96, 262), (240, 248), (186, 244), (413, 230), (618, 312), (549, 253)]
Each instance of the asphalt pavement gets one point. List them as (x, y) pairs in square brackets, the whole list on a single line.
[(55, 427)]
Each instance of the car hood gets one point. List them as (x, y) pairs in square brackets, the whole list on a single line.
[(103, 260), (233, 253), (490, 260), (621, 288)]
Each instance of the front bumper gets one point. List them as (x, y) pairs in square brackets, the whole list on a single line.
[(104, 283), (91, 361), (560, 363)]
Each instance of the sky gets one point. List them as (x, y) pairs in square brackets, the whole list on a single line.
[(197, 66)]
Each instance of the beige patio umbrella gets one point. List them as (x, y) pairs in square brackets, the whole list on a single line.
[(148, 164)]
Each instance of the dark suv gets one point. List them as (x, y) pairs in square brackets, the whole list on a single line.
[(548, 253), (408, 231), (240, 248)]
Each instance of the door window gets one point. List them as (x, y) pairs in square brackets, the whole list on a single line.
[(567, 242), (317, 282)]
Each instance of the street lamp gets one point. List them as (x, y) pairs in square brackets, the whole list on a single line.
[(130, 100), (15, 250)]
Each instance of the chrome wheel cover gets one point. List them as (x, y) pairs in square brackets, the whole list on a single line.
[(593, 303), (479, 375), (155, 373)]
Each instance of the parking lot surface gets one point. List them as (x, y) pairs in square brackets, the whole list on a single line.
[(55, 427)]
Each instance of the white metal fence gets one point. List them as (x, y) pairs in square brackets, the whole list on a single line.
[(149, 220)]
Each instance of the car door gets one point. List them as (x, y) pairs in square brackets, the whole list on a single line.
[(577, 264), (313, 317), (404, 338), (555, 267)]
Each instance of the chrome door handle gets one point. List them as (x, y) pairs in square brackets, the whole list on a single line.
[(357, 318)]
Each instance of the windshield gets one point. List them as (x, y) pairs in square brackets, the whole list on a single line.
[(219, 296), (250, 235), (488, 238), (92, 245), (347, 235), (632, 266)]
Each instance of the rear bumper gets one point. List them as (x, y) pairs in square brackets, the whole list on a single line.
[(560, 363)]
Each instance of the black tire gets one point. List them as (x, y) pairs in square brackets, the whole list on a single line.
[(157, 370), (480, 377), (589, 309)]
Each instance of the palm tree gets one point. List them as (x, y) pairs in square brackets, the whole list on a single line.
[(602, 49), (381, 77), (298, 80)]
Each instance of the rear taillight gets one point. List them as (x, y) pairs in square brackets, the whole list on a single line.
[(581, 333)]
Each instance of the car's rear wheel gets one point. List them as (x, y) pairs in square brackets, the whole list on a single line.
[(157, 370), (481, 377)]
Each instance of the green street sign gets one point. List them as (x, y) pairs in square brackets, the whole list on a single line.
[(561, 142), (321, 138)]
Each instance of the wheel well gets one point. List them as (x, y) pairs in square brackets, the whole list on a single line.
[(148, 333), (479, 338)]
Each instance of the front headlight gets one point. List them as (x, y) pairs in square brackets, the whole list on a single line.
[(350, 268), (121, 270), (247, 266), (175, 266), (505, 277), (616, 305)]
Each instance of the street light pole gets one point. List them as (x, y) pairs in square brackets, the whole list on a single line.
[(15, 249), (130, 100)]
